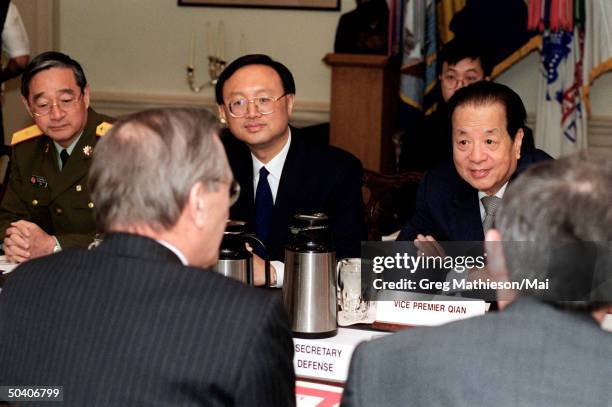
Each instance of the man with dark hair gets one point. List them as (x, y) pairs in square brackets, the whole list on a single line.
[(137, 321), (281, 173), (47, 206), (545, 347), (456, 202), (461, 64), (427, 145)]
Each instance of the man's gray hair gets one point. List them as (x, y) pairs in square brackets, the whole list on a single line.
[(145, 166), (563, 208)]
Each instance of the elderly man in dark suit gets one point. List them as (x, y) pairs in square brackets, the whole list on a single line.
[(137, 320), (457, 202), (545, 347), (281, 172)]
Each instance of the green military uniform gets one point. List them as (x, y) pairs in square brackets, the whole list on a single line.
[(57, 201)]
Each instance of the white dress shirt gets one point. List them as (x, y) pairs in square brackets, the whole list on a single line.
[(275, 169), (69, 149), (174, 250)]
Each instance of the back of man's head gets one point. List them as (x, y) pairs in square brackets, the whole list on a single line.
[(48, 60), (563, 209), (146, 165)]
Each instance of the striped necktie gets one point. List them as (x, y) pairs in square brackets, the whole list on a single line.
[(490, 204)]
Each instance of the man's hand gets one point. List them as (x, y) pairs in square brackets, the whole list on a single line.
[(259, 269), (16, 247), (429, 246), (26, 240)]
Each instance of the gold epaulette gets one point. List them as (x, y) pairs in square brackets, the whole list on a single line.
[(103, 128), (26, 134)]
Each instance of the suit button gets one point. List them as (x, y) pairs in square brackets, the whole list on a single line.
[(34, 202), (90, 205), (78, 188), (58, 211)]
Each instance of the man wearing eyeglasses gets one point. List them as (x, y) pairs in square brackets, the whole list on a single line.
[(281, 172), (142, 320), (46, 206), (428, 144)]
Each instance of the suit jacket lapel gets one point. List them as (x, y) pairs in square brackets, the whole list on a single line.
[(466, 220), (47, 165), (242, 166)]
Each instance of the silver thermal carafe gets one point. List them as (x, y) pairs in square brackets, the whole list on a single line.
[(235, 261), (309, 288)]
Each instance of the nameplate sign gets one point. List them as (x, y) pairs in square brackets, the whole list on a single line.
[(428, 313), (329, 358)]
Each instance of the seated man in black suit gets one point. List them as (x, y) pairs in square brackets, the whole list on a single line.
[(545, 347), (137, 320), (457, 202), (255, 96)]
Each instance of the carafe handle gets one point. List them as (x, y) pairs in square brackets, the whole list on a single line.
[(268, 277)]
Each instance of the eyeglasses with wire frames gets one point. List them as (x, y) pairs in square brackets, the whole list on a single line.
[(450, 80), (264, 104), (67, 103), (233, 189)]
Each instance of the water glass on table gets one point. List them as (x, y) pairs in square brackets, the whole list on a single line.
[(352, 299)]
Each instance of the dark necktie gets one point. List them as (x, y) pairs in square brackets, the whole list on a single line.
[(64, 157), (490, 205), (263, 206)]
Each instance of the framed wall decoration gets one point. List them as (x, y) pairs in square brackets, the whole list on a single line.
[(329, 5)]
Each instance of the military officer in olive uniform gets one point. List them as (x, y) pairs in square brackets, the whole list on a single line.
[(46, 206)]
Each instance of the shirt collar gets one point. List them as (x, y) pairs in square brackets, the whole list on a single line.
[(174, 250), (70, 148), (499, 194), (275, 165)]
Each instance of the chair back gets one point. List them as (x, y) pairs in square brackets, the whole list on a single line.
[(389, 201)]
